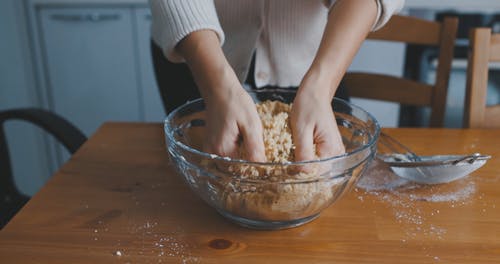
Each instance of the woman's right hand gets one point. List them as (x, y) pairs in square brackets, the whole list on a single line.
[(231, 114), (231, 118)]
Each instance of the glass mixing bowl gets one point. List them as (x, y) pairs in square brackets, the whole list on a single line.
[(270, 195)]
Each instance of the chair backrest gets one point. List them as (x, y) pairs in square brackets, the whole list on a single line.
[(415, 31), (484, 48), (11, 199)]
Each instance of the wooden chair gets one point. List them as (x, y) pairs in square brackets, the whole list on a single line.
[(484, 48), (415, 31)]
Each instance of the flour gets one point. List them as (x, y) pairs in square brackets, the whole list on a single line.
[(409, 201), (165, 246), (379, 178), (455, 196), (146, 239)]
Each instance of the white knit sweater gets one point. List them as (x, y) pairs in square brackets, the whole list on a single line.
[(285, 34)]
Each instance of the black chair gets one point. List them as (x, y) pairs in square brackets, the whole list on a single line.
[(11, 200)]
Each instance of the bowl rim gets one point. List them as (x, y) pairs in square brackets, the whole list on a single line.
[(169, 133)]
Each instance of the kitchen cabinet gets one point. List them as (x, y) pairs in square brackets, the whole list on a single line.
[(95, 65), (87, 60), (91, 65)]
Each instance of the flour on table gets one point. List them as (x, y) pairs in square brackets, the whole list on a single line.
[(406, 197)]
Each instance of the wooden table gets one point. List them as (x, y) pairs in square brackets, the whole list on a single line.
[(119, 201)]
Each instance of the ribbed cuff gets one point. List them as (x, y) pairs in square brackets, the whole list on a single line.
[(385, 9), (173, 20)]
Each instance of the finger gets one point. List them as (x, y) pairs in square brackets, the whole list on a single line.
[(329, 144), (223, 143), (303, 139), (325, 148), (221, 146), (254, 143), (229, 147)]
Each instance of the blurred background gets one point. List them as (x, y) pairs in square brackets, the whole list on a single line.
[(89, 61)]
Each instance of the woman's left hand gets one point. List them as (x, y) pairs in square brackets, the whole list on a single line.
[(313, 123)]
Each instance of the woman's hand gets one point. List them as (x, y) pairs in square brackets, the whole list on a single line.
[(313, 123), (232, 117), (231, 114)]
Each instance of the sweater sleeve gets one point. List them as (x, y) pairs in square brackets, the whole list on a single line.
[(173, 20), (385, 9)]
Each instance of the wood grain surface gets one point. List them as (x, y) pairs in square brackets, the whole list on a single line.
[(118, 200)]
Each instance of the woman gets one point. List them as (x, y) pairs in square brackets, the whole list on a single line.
[(304, 44)]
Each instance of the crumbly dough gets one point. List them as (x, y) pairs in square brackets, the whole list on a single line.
[(277, 132), (272, 192)]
